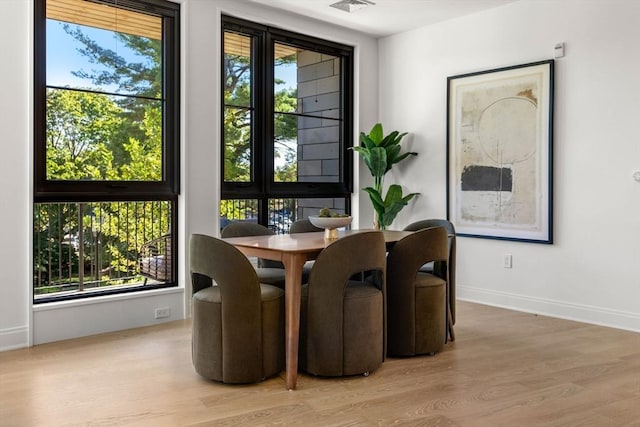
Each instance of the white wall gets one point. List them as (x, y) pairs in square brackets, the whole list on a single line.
[(592, 271), (15, 143), (20, 324)]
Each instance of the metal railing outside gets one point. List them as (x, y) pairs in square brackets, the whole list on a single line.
[(281, 212), (87, 247)]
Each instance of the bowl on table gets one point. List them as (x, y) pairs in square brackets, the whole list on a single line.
[(330, 224)]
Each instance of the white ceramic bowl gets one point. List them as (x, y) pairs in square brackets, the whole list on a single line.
[(330, 222)]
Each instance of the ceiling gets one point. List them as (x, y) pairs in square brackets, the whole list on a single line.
[(386, 16)]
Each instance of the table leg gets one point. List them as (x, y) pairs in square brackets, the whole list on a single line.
[(293, 277)]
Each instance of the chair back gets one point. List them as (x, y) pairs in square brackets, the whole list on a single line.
[(303, 226), (328, 279), (229, 268), (341, 260), (412, 252), (243, 229), (434, 222), (451, 281), (406, 303)]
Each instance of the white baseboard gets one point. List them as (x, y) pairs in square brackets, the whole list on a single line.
[(552, 308), (13, 338)]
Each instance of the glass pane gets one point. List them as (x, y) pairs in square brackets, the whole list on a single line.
[(285, 148), (237, 145), (237, 70), (285, 78), (238, 210), (307, 141), (93, 136), (282, 212), (312, 206), (103, 48), (88, 247)]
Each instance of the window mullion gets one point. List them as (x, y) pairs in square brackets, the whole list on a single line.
[(304, 119), (268, 66)]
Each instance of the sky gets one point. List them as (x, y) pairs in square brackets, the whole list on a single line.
[(63, 56)]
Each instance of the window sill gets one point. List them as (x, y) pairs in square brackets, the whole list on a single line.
[(56, 305)]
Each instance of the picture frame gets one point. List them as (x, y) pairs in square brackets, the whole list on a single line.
[(500, 152)]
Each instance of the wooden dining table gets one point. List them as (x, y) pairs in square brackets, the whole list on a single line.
[(293, 250)]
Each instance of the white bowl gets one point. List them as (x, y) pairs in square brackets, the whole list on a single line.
[(330, 223)]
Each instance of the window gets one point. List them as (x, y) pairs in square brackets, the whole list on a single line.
[(106, 162), (287, 125)]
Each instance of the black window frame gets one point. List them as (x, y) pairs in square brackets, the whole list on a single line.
[(263, 187), (68, 190), (79, 191)]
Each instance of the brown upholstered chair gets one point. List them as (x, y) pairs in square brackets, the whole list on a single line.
[(269, 271), (416, 301), (342, 322), (429, 267), (238, 322), (303, 226)]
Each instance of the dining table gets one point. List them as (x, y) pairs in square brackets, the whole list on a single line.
[(294, 250)]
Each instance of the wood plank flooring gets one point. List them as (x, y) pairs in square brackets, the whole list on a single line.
[(505, 369)]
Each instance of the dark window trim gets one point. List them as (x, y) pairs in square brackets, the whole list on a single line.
[(168, 189), (53, 190), (263, 186)]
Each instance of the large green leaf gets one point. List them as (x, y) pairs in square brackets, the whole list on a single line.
[(394, 202), (377, 161), (366, 141), (394, 193), (376, 201), (390, 139), (376, 133)]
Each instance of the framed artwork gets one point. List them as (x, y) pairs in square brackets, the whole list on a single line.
[(499, 153)]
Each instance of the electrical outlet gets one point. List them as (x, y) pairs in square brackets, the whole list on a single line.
[(163, 312), (507, 261)]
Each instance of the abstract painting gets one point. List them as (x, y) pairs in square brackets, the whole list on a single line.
[(499, 152)]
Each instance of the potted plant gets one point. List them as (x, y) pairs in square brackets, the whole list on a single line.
[(380, 153)]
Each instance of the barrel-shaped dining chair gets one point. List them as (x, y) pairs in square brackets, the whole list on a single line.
[(238, 322), (269, 271), (342, 321), (416, 301), (439, 267), (303, 226)]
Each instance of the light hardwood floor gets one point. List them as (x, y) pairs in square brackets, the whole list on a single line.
[(504, 369)]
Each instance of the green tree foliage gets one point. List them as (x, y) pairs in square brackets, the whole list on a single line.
[(99, 136), (237, 125), (79, 124), (140, 74), (237, 118), (55, 257)]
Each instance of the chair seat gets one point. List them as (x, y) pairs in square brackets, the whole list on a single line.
[(357, 289), (271, 276), (424, 280), (207, 309), (212, 294), (363, 303)]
